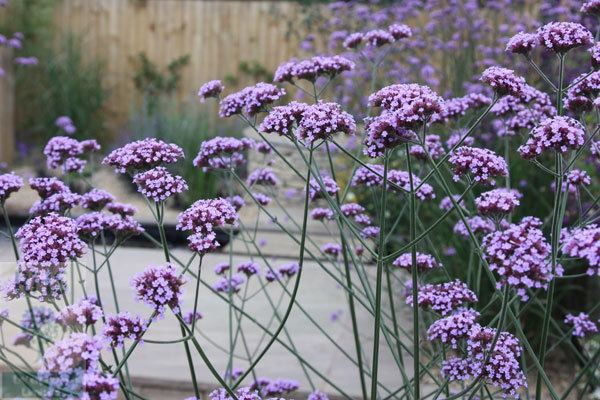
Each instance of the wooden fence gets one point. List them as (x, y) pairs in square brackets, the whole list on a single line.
[(7, 107), (217, 35)]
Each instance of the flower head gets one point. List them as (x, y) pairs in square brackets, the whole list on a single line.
[(322, 120), (205, 215), (452, 328), (583, 243), (329, 186), (498, 202), (522, 43), (121, 209), (49, 241), (250, 100), (281, 119), (222, 152), (9, 183), (400, 31), (332, 249), (378, 38), (248, 268), (81, 315), (143, 155), (482, 164), (210, 89), (591, 7), (123, 326), (312, 68), (504, 81), (158, 184), (96, 199), (159, 287), (425, 262), (582, 324), (46, 187), (56, 203), (99, 386), (443, 298), (520, 255), (226, 285), (262, 176), (561, 37), (320, 214), (558, 133), (353, 40)]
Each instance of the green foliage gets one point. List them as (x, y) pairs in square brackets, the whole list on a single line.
[(153, 83), (255, 71), (62, 84)]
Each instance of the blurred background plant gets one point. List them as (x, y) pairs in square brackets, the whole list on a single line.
[(62, 83), (160, 115)]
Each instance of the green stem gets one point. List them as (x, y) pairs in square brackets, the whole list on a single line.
[(378, 284), (555, 233), (299, 275), (415, 278), (351, 304)]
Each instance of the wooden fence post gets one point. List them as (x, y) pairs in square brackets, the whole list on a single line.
[(7, 107)]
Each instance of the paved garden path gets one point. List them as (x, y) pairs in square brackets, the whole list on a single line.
[(166, 364)]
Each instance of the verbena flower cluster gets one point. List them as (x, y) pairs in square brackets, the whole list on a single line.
[(65, 152), (143, 154), (582, 324), (498, 202), (583, 243), (425, 262), (9, 183), (559, 133), (520, 255), (202, 218), (222, 152), (312, 68), (158, 184), (250, 100), (443, 298), (123, 326), (159, 287), (483, 165)]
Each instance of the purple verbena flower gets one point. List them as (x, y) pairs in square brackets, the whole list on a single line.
[(123, 326), (9, 183), (159, 287), (143, 155), (96, 199), (443, 298), (498, 202), (522, 43), (453, 327), (248, 268), (210, 89), (582, 324), (503, 81), (482, 164), (558, 133), (425, 262), (561, 37), (158, 184), (520, 255)]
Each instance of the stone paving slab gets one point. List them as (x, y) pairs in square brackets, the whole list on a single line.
[(290, 218), (318, 294)]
